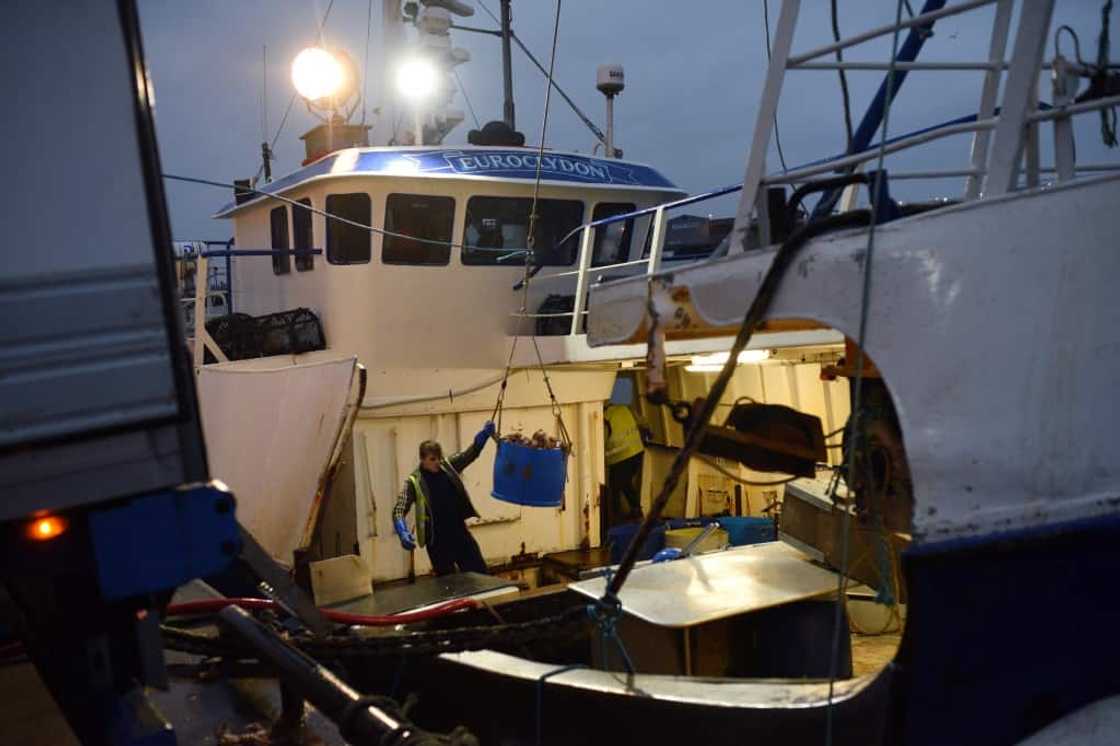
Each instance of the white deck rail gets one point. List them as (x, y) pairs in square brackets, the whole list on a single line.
[(1005, 144)]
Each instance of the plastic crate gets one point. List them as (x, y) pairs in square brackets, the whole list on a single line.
[(533, 477)]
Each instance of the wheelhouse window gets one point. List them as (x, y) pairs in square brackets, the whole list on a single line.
[(612, 241), (278, 220), (497, 227), (301, 235), (346, 243), (426, 220)]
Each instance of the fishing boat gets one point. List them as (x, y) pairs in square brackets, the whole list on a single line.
[(974, 345), (410, 261)]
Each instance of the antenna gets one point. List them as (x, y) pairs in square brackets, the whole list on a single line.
[(266, 151), (610, 80)]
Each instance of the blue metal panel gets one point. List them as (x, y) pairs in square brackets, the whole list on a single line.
[(485, 162), (1008, 632), (160, 541)]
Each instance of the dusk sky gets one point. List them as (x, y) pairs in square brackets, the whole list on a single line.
[(694, 74)]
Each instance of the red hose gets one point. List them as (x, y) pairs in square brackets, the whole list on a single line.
[(213, 605)]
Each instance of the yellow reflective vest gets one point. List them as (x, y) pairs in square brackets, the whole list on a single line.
[(624, 440)]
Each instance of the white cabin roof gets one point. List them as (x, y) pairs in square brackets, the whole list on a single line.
[(469, 162)]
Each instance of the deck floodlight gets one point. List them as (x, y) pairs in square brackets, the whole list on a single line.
[(714, 362), (417, 79), (317, 74)]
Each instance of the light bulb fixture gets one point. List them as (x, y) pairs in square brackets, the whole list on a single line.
[(714, 362), (317, 74), (417, 79)]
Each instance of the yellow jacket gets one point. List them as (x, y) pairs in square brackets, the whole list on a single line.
[(624, 439)]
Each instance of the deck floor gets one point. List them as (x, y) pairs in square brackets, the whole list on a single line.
[(870, 653)]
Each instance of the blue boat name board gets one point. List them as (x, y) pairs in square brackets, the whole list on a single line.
[(549, 164), (509, 164)]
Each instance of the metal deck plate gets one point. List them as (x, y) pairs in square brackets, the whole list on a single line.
[(700, 589), (426, 592)]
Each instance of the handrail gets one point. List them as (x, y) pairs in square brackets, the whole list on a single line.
[(259, 252), (649, 210), (918, 20), (1023, 111)]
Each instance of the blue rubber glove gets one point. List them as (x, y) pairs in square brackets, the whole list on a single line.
[(668, 554), (408, 541), (484, 434)]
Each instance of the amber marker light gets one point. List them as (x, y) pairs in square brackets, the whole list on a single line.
[(46, 528)]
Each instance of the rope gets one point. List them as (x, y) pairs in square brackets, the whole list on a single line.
[(531, 241), (463, 90), (605, 613), (568, 623), (365, 62), (777, 132), (339, 219), (853, 420), (540, 692), (598, 133), (292, 100), (771, 281), (1108, 116), (843, 80)]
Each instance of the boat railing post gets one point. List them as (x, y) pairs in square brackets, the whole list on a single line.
[(201, 286), (849, 198), (764, 123), (202, 338), (996, 50), (1021, 89), (580, 301), (657, 241), (763, 213), (1064, 87)]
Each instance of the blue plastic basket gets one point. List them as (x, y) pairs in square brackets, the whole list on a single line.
[(748, 530), (619, 539), (533, 477)]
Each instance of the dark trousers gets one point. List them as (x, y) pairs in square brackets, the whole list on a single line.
[(624, 479), (456, 551)]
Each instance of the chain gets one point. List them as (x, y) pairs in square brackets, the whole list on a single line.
[(425, 643)]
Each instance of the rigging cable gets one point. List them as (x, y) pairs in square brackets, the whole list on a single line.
[(365, 63), (531, 245), (340, 219), (463, 90), (853, 433), (1108, 116), (292, 100), (532, 58), (843, 80), (777, 132)]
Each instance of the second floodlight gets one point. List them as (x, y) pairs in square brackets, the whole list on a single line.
[(417, 79)]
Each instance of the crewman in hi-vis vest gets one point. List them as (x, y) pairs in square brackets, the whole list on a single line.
[(625, 451), (442, 506)]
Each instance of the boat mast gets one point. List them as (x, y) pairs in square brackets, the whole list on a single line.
[(507, 68)]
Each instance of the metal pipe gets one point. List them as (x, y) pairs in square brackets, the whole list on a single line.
[(507, 68), (889, 88), (997, 47), (868, 155), (1058, 112), (883, 66), (610, 128), (928, 15), (315, 683)]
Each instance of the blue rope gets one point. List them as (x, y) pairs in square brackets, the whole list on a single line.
[(885, 594), (397, 677), (606, 612), (540, 692)]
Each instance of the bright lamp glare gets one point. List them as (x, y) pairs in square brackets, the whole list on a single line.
[(416, 79), (714, 362), (316, 74)]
